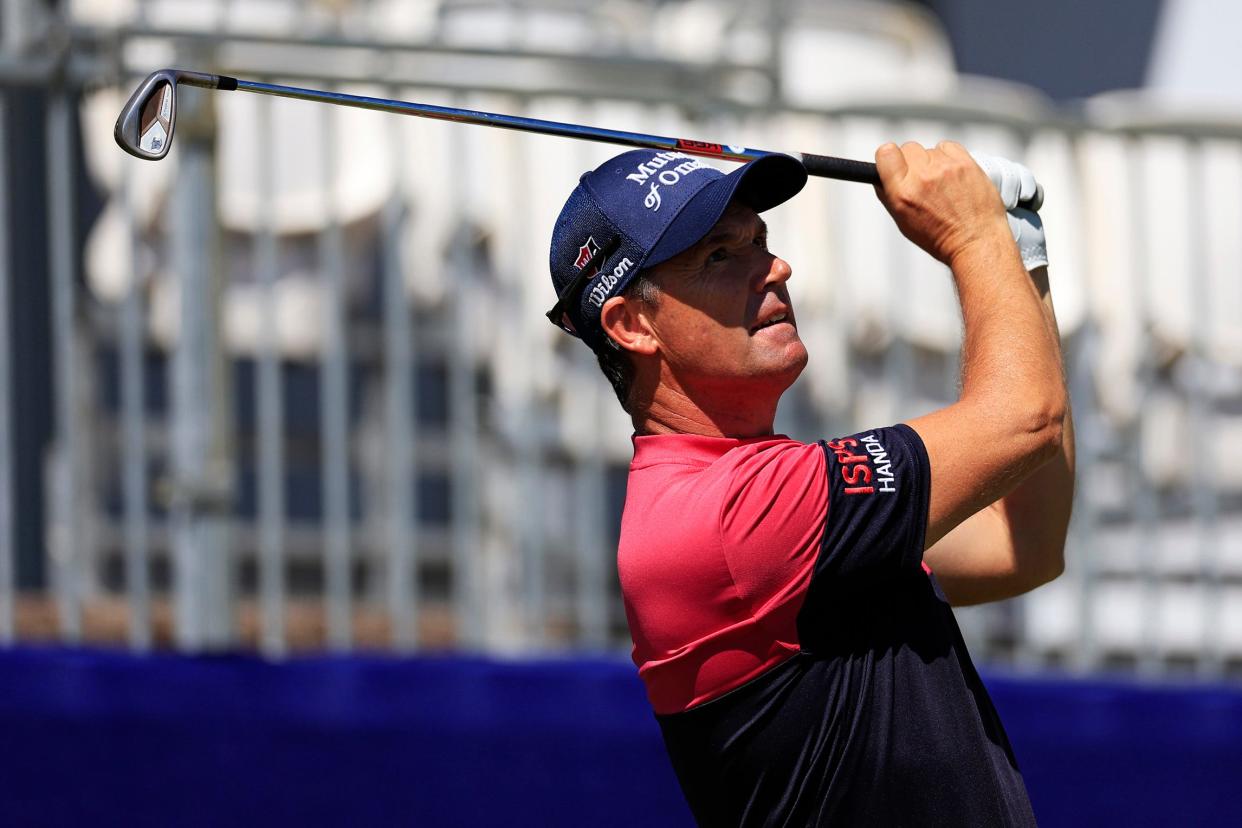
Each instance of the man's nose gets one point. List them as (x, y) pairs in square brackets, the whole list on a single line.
[(778, 271)]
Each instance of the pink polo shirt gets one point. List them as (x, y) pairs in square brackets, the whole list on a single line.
[(719, 540)]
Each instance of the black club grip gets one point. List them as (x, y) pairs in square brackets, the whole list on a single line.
[(864, 172), (845, 169)]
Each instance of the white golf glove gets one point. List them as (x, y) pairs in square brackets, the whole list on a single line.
[(1017, 184)]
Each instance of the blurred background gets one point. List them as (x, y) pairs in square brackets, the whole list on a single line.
[(290, 454)]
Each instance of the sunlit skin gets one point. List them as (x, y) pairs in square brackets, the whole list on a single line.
[(706, 360)]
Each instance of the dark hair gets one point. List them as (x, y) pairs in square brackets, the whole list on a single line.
[(614, 361)]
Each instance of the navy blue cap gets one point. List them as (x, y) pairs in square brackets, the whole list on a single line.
[(642, 208)]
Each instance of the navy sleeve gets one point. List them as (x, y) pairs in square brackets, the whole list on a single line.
[(879, 484)]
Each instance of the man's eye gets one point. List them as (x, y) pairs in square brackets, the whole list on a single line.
[(761, 242), (718, 255)]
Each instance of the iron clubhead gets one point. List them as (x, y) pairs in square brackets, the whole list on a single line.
[(144, 128)]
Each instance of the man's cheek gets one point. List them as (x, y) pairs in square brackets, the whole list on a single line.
[(687, 341), (703, 337), (703, 329)]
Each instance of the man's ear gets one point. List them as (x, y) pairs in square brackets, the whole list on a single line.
[(625, 322)]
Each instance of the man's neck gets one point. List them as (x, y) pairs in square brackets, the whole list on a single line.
[(672, 411)]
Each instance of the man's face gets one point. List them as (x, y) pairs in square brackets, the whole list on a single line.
[(724, 313)]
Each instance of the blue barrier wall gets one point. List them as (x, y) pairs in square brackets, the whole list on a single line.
[(103, 738)]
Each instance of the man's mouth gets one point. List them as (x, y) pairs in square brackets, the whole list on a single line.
[(775, 320)]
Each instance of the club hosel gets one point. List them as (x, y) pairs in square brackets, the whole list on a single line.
[(207, 81)]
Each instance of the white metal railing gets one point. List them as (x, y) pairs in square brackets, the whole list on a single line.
[(414, 450)]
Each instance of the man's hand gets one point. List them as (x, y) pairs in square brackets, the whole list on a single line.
[(941, 199), (1017, 185)]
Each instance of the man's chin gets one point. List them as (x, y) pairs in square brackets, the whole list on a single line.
[(783, 371), (797, 365), (795, 358)]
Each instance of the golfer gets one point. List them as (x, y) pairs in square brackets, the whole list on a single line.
[(790, 602)]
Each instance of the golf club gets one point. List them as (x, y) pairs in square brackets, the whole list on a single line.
[(145, 126)]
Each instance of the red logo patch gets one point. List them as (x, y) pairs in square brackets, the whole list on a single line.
[(589, 249)]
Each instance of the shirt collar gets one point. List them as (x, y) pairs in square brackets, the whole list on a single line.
[(687, 449)]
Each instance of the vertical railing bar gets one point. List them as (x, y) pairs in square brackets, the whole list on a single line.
[(8, 548), (216, 558), (200, 457), (219, 466), (529, 508), (1204, 496), (399, 413), (271, 415), (66, 535), (529, 517), (1089, 435), (334, 403), (591, 601), (185, 542), (464, 422), (1146, 507), (133, 431), (1080, 557)]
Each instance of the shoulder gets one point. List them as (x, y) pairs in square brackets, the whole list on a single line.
[(696, 493), (770, 486), (773, 456)]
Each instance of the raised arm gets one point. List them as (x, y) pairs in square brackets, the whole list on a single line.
[(1018, 542), (1010, 418)]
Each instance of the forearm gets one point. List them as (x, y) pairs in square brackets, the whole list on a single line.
[(1014, 545), (1008, 420), (1037, 511), (1011, 354), (1017, 543)]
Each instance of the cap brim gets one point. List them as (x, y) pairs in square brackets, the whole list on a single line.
[(760, 184)]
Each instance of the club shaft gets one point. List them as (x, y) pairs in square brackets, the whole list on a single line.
[(819, 165)]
